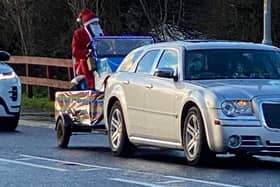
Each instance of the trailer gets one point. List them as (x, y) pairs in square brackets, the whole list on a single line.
[(82, 110)]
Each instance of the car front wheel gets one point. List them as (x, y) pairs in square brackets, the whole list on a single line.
[(118, 139), (9, 124), (13, 123), (195, 144)]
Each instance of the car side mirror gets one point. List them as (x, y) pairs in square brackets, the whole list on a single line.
[(4, 56), (166, 73)]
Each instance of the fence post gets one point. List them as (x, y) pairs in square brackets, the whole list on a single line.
[(50, 89), (29, 90), (69, 74)]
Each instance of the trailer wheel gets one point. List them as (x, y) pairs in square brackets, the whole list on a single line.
[(63, 132)]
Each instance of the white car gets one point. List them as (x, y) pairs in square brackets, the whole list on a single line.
[(10, 95), (203, 97)]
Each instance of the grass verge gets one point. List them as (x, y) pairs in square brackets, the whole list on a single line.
[(36, 104)]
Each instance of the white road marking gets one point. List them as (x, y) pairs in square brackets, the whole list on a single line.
[(68, 162), (134, 182), (202, 181), (89, 169), (171, 181), (32, 165), (94, 167), (22, 159), (183, 179)]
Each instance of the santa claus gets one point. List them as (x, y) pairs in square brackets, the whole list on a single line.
[(81, 41)]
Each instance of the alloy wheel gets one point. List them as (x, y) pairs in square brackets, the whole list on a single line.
[(116, 128), (193, 136)]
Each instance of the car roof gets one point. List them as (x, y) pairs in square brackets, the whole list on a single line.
[(215, 44)]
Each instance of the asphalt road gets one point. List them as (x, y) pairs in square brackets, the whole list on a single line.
[(29, 157)]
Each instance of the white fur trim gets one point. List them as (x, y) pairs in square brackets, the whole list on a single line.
[(77, 79), (79, 20), (91, 21)]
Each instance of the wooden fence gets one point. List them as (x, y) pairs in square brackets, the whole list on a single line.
[(29, 80)]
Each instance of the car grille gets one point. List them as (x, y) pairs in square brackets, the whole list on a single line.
[(250, 141), (271, 112)]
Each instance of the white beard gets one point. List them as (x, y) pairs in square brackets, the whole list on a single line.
[(93, 30), (96, 29)]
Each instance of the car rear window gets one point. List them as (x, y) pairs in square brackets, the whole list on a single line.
[(129, 60)]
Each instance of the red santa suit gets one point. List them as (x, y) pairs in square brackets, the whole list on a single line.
[(80, 41)]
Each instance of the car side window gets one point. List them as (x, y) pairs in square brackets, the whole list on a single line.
[(145, 65), (129, 60), (169, 59)]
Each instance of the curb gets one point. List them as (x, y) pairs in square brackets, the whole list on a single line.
[(32, 123), (38, 119), (50, 114)]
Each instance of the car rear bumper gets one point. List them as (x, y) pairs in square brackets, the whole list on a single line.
[(8, 111), (10, 97)]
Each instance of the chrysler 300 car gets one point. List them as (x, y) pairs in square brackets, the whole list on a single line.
[(203, 97)]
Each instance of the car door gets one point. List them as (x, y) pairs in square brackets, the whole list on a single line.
[(160, 98), (133, 85)]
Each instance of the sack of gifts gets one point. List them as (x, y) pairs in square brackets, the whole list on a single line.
[(91, 62)]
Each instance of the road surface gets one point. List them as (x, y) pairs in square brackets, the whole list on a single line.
[(29, 157)]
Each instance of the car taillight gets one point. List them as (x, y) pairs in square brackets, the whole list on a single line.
[(14, 93)]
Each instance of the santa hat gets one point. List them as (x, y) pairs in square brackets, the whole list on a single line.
[(87, 16)]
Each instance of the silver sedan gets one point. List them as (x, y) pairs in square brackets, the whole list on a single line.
[(204, 97)]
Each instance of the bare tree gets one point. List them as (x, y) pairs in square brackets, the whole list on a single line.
[(180, 12), (78, 5), (17, 11), (147, 13), (161, 18)]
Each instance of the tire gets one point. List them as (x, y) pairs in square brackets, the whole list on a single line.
[(63, 133), (194, 139), (13, 123), (118, 139), (9, 124)]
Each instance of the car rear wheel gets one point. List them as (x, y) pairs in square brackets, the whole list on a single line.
[(63, 133), (195, 144), (118, 139)]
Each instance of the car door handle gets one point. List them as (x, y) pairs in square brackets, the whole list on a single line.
[(149, 86), (126, 82)]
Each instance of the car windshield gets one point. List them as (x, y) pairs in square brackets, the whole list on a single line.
[(232, 64)]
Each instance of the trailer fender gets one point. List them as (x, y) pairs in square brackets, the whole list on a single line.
[(65, 118)]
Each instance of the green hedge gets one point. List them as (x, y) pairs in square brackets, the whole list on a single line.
[(36, 104)]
